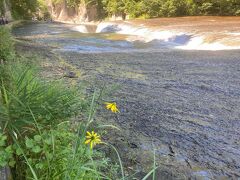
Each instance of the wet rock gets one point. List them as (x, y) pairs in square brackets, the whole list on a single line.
[(202, 175), (71, 75), (188, 163), (133, 145), (5, 173), (171, 151)]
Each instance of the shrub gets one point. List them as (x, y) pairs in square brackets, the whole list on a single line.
[(52, 154), (6, 44)]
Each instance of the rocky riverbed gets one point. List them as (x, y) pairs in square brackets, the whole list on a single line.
[(183, 104)]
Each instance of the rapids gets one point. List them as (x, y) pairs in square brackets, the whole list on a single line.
[(207, 33)]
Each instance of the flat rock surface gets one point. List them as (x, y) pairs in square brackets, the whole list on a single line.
[(188, 100)]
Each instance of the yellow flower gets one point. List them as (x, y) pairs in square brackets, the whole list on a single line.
[(112, 107), (92, 139)]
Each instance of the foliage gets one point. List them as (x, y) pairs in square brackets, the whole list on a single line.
[(6, 44), (2, 10), (37, 139), (169, 8), (114, 6), (34, 116), (44, 145), (47, 103), (23, 9), (52, 155), (42, 11), (6, 152)]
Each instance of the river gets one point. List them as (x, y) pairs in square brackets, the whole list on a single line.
[(178, 84)]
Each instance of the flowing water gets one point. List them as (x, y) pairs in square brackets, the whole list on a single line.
[(179, 82)]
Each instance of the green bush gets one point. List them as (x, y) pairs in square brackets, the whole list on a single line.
[(6, 44), (52, 154)]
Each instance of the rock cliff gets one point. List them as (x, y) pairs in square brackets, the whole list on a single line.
[(82, 13), (5, 9)]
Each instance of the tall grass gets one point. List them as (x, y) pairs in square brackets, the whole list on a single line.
[(6, 44), (50, 102)]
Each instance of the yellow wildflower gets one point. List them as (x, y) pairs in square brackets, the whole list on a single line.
[(112, 106), (92, 139)]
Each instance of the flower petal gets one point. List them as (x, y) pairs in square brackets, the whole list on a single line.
[(89, 134), (88, 141)]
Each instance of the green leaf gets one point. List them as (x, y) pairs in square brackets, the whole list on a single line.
[(2, 143), (37, 138), (48, 141), (49, 155), (39, 166), (36, 149), (12, 163), (18, 151), (9, 149), (3, 164), (29, 143), (2, 140)]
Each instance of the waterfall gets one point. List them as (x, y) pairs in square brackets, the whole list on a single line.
[(181, 40), (172, 37)]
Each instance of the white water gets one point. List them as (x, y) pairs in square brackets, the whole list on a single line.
[(174, 38), (198, 43), (140, 32), (80, 28)]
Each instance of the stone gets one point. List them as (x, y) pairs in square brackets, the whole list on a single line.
[(71, 75)]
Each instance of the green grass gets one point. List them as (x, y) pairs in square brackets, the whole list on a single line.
[(50, 102), (6, 44)]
